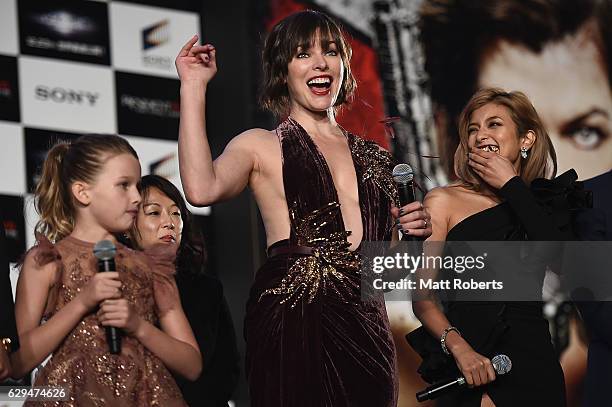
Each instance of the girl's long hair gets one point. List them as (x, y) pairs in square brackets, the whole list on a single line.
[(68, 162)]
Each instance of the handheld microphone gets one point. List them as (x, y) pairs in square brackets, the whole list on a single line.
[(501, 364), (105, 252), (403, 176)]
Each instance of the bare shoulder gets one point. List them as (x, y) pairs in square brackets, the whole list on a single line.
[(260, 145), (253, 139), (440, 195), (441, 200), (449, 201)]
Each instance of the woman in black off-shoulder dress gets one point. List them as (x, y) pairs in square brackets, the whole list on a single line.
[(508, 150)]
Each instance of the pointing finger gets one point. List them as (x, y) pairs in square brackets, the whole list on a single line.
[(187, 47)]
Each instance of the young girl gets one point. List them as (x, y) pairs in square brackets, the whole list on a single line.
[(87, 192)]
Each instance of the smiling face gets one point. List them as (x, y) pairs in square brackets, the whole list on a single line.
[(159, 220), (569, 87), (314, 76), (492, 129)]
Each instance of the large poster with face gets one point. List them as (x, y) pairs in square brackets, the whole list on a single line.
[(556, 52)]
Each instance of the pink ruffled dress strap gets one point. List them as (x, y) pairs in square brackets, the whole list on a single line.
[(44, 251), (161, 259)]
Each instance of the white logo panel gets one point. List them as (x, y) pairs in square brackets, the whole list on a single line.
[(146, 39), (9, 43), (67, 95), (12, 157), (160, 157)]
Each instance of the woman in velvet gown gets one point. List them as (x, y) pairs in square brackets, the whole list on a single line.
[(508, 149), (310, 339), (308, 332)]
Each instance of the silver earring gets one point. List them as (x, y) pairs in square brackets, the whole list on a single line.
[(524, 152)]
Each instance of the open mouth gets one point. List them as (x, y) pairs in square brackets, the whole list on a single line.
[(320, 85), (489, 148), (168, 239)]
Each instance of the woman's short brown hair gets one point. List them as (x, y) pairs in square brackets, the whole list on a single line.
[(299, 30), (541, 161)]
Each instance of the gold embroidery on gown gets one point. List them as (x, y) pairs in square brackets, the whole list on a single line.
[(82, 364), (377, 164), (326, 266), (331, 258), (311, 341)]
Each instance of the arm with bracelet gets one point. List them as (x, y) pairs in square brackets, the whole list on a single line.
[(476, 368)]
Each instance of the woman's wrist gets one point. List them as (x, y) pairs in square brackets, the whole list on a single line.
[(193, 85), (444, 336), (454, 341)]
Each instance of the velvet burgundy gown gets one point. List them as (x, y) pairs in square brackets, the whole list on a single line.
[(311, 340)]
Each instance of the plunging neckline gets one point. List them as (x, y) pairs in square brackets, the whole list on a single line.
[(325, 165)]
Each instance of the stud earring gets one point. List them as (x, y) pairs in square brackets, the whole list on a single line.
[(524, 152)]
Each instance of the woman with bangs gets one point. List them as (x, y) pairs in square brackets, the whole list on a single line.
[(311, 340)]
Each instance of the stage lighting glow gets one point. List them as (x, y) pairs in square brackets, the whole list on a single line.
[(66, 23)]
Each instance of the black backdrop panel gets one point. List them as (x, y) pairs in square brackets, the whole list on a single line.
[(9, 89), (75, 30), (147, 106), (14, 224), (37, 144)]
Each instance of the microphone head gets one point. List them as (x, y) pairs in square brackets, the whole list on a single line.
[(104, 250), (402, 174), (501, 364)]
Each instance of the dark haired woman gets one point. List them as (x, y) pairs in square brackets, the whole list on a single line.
[(163, 217), (311, 340)]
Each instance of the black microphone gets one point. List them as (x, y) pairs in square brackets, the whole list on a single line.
[(105, 251), (403, 176), (501, 364)]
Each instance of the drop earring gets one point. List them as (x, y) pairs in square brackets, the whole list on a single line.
[(524, 152)]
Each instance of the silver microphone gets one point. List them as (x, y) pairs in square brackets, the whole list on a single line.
[(501, 364)]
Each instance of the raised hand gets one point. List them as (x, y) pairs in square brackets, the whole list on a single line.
[(196, 62), (120, 314), (102, 286), (494, 169)]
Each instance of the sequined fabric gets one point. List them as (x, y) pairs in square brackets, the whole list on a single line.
[(311, 340), (82, 364), (327, 266)]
